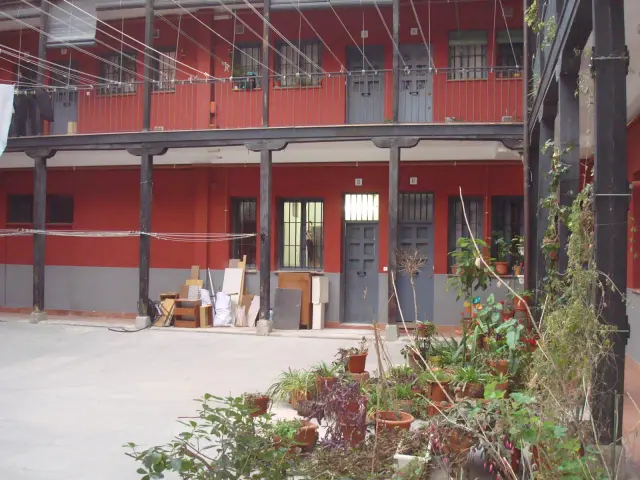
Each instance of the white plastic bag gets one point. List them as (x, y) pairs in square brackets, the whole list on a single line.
[(224, 311)]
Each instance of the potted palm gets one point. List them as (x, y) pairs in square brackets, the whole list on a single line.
[(501, 262), (292, 386)]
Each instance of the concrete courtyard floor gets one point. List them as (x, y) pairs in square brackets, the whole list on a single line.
[(71, 396)]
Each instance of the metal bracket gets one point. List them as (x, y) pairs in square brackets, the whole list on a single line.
[(271, 145), (401, 142), (40, 152), (147, 150), (594, 60)]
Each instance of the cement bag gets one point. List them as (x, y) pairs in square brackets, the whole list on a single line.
[(205, 297), (224, 312)]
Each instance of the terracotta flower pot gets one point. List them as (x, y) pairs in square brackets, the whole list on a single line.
[(437, 394), (435, 410), (473, 390), (324, 384), (502, 268), (499, 366), (521, 306), (386, 420), (360, 377), (307, 436), (260, 404), (296, 397), (352, 434), (503, 387), (352, 410), (507, 315), (356, 363)]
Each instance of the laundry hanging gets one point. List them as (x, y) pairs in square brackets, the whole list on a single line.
[(6, 112)]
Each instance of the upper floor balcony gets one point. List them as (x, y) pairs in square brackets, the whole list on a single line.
[(484, 95)]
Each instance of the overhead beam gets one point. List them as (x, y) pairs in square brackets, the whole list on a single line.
[(222, 138), (572, 32), (611, 189)]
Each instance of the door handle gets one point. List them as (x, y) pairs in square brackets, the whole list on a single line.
[(415, 93), (417, 273), (366, 94), (362, 274)]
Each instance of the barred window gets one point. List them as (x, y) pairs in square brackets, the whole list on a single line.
[(467, 55), (244, 219), (164, 71), (507, 221), (299, 70), (59, 209), (457, 226), (302, 234), (247, 66), (119, 67), (509, 53)]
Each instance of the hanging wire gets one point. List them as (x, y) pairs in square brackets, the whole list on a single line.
[(395, 45), (223, 38), (285, 39), (75, 47), (361, 50), (297, 7), (278, 52), (52, 66), (513, 51), (426, 45), (18, 84), (23, 67), (122, 54), (205, 74)]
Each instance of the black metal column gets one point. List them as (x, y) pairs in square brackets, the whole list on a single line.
[(611, 189), (39, 219), (265, 233), (545, 161), (265, 176), (394, 179), (569, 144), (396, 62), (531, 213), (146, 173)]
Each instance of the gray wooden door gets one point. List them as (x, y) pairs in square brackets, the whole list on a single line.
[(361, 272), (416, 237), (365, 85), (416, 85), (64, 100)]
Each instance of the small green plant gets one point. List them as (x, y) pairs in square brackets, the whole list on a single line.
[(502, 249), (469, 375), (343, 355), (287, 429), (291, 382), (326, 370)]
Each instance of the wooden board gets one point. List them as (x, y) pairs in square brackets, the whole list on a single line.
[(184, 291), (191, 282), (301, 281), (233, 281), (254, 309), (167, 312), (233, 263), (195, 273)]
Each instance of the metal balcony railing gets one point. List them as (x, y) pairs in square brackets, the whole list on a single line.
[(485, 95)]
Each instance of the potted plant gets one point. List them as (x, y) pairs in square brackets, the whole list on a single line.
[(501, 383), (469, 381), (326, 376), (353, 359), (498, 356), (437, 382), (520, 304), (501, 263), (507, 310), (292, 386), (295, 433), (257, 402)]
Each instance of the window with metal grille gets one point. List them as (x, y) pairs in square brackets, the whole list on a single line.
[(244, 220), (247, 66), (302, 234), (509, 53), (59, 209), (507, 221), (415, 207), (296, 70), (122, 68), (457, 226), (164, 71), (360, 207), (467, 55)]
